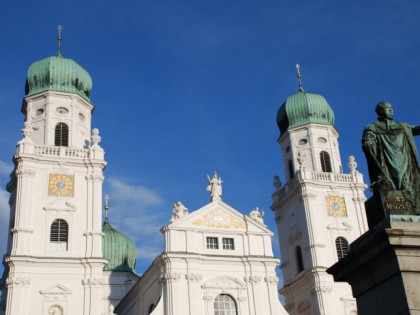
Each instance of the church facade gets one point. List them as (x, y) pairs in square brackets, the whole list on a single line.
[(63, 258)]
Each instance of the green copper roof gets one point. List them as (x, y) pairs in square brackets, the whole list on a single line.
[(57, 73), (304, 108), (118, 249)]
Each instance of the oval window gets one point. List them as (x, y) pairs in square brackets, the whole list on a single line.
[(322, 140), (39, 112), (62, 110), (303, 141), (81, 116)]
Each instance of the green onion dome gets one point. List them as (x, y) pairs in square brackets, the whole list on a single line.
[(57, 73), (304, 108), (118, 249)]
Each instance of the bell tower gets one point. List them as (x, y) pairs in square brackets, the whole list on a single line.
[(319, 210), (54, 261)]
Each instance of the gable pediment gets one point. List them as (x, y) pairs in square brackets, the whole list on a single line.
[(56, 289)]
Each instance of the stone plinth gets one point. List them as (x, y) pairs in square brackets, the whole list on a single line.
[(383, 268)]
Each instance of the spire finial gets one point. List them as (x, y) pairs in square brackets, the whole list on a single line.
[(106, 207), (59, 29), (299, 76)]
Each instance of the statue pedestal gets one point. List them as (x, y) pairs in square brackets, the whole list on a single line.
[(383, 268)]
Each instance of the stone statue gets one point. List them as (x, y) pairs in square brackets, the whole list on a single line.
[(214, 186), (393, 161), (257, 215), (179, 211)]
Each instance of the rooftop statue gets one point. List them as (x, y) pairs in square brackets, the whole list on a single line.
[(393, 162), (214, 187)]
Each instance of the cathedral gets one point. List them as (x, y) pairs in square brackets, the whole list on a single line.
[(63, 258)]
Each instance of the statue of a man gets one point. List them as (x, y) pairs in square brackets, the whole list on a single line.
[(214, 186), (392, 155)]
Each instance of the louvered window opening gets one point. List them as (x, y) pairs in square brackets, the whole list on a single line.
[(325, 162), (59, 232), (224, 305), (342, 247), (299, 259), (61, 135)]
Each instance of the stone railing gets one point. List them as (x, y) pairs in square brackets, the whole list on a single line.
[(325, 177), (61, 152)]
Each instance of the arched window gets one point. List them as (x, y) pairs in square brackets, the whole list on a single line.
[(291, 169), (224, 305), (59, 234), (61, 135), (151, 308), (299, 259), (342, 247), (325, 161)]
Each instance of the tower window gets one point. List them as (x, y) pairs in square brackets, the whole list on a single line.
[(228, 244), (325, 161), (212, 243), (59, 234), (299, 259), (61, 135), (224, 305), (291, 169), (342, 247)]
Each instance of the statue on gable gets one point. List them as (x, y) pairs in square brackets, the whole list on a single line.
[(393, 163), (214, 186), (179, 211), (257, 215)]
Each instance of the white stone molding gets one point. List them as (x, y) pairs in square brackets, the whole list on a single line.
[(359, 199), (97, 178), (242, 298), (169, 277), (194, 277), (92, 282), (284, 265), (271, 280), (53, 206), (315, 246), (294, 237), (306, 196), (25, 172), (321, 289), (223, 282), (345, 226), (18, 282), (208, 298), (253, 279), (22, 230), (303, 306)]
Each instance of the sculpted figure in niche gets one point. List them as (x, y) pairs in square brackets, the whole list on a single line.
[(55, 310), (214, 186), (392, 155)]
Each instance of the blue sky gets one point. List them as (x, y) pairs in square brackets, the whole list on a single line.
[(184, 88)]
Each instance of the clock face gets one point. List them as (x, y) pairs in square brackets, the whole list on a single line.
[(336, 206), (61, 185)]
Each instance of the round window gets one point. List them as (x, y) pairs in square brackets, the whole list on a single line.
[(322, 140), (39, 112), (62, 110), (303, 141)]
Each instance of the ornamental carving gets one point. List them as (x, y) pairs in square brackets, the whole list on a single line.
[(194, 277), (18, 282), (253, 279), (25, 172), (169, 277), (207, 298), (218, 218), (271, 280), (359, 199), (306, 196), (321, 289), (97, 178), (242, 298), (92, 282)]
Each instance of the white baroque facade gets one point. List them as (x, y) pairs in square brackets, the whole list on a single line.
[(215, 258)]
